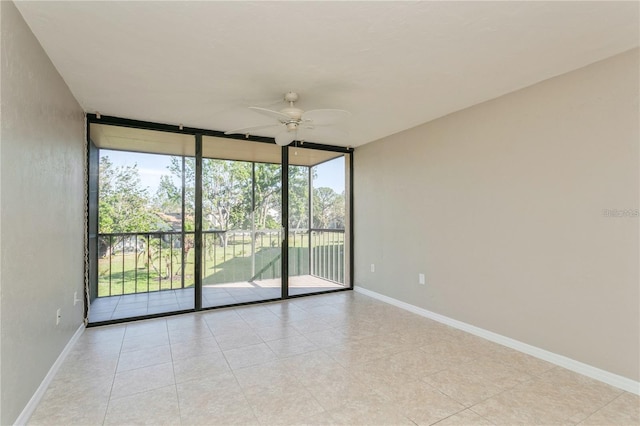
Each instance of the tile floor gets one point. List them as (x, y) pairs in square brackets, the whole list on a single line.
[(142, 304), (340, 358)]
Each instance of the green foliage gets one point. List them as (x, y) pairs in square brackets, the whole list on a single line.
[(234, 193), (328, 209), (268, 189), (226, 193), (124, 203), (298, 197)]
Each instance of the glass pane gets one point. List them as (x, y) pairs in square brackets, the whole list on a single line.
[(298, 225), (143, 265), (318, 218), (241, 224)]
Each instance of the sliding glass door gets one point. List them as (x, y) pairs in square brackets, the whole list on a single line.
[(142, 205), (184, 221), (241, 222)]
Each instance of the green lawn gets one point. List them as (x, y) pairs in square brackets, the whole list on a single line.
[(127, 273)]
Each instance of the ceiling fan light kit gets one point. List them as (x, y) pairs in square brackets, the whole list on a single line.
[(285, 138), (294, 123)]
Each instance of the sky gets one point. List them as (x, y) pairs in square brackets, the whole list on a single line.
[(152, 166)]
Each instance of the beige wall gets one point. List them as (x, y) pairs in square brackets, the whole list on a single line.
[(501, 206), (41, 225)]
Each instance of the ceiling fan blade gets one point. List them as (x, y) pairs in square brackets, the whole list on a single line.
[(323, 117), (251, 130), (271, 113)]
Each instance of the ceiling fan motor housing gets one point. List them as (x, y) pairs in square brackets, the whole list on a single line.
[(293, 112)]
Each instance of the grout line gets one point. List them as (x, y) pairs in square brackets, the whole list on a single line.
[(115, 372)]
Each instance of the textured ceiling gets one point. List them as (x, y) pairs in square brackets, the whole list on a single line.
[(394, 65)]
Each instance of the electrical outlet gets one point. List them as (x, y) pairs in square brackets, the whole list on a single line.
[(58, 316), (75, 298), (373, 267), (421, 279)]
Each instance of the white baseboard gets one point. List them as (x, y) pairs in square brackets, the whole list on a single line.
[(560, 360), (24, 417)]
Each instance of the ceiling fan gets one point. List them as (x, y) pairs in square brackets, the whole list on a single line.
[(296, 124)]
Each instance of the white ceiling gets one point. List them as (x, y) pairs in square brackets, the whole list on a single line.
[(394, 65)]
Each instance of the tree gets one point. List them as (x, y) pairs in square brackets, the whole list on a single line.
[(298, 197), (123, 202), (328, 209), (123, 205), (267, 190), (168, 197)]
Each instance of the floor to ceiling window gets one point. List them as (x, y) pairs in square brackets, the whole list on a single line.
[(318, 225), (241, 221), (182, 221), (142, 244)]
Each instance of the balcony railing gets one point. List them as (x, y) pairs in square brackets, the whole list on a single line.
[(143, 262), (153, 261), (327, 254)]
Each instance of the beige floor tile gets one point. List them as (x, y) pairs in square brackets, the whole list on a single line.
[(373, 377), (256, 314), (521, 361), (295, 315), (314, 362), (311, 324), (334, 387), (361, 351), (238, 339), (191, 348), (142, 379), (464, 418), (231, 329), (417, 364), (99, 342), (275, 332), (220, 316), (86, 368), (145, 341), (266, 377), (283, 405), (283, 308), (214, 400), (249, 355), (290, 346), (624, 410), (335, 359), (558, 396), (369, 409), (200, 367), (198, 330), (327, 338), (475, 381), (419, 402), (160, 408), (78, 403), (141, 328), (359, 329), (456, 351), (185, 322), (144, 358), (321, 419)]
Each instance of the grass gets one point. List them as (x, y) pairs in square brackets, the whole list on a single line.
[(128, 273)]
